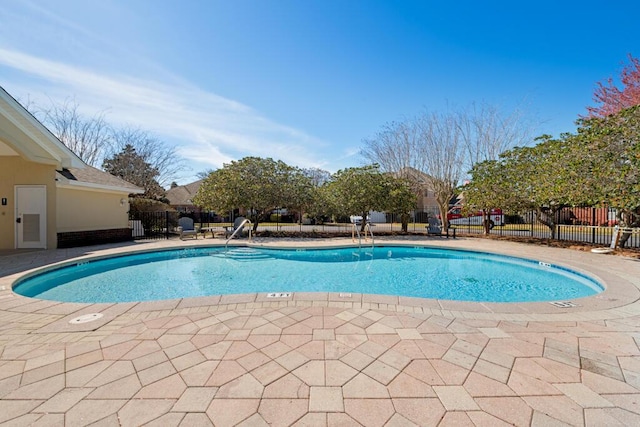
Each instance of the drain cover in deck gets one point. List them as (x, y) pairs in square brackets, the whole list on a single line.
[(86, 318), (563, 304)]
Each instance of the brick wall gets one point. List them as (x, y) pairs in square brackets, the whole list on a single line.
[(93, 237)]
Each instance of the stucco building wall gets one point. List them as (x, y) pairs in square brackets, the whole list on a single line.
[(82, 210), (16, 171)]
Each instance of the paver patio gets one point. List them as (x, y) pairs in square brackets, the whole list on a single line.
[(321, 359)]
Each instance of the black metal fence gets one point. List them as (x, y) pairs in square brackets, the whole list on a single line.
[(599, 235), (575, 224), (153, 225), (582, 224), (164, 224)]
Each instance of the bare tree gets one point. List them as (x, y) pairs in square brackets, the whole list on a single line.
[(31, 106), (94, 140), (205, 173), (437, 149), (317, 176), (445, 159), (87, 137), (155, 152), (426, 150), (396, 148), (487, 131)]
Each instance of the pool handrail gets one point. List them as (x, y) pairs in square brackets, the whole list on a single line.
[(354, 231), (239, 230)]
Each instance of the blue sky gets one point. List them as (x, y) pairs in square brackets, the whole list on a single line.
[(305, 81)]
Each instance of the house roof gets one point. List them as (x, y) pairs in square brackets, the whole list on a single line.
[(90, 177), (414, 174), (21, 134), (182, 194)]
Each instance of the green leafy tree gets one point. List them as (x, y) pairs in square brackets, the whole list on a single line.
[(297, 191), (540, 176), (598, 165), (304, 195), (608, 150), (318, 204), (325, 205), (356, 191), (543, 178), (401, 199), (131, 167), (254, 184), (489, 188)]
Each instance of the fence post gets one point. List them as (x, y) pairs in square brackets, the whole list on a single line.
[(531, 214), (166, 225), (593, 224)]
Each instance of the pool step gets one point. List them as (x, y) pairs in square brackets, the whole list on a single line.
[(243, 254), (363, 254)]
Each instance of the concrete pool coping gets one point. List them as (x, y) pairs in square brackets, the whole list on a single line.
[(620, 297), (318, 359)]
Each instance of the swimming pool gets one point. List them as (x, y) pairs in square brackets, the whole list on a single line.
[(389, 270)]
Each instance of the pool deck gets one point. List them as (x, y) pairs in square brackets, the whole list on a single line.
[(324, 359)]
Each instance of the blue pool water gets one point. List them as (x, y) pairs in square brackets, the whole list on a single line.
[(391, 270)]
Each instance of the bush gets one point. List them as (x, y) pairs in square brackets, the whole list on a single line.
[(275, 217), (513, 219), (139, 204)]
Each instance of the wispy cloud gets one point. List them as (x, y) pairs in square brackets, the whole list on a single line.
[(205, 127), (57, 54)]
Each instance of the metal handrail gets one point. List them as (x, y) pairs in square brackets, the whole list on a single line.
[(238, 229), (368, 226), (354, 231)]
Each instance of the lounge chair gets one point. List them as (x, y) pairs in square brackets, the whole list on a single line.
[(238, 226), (186, 228), (435, 228)]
